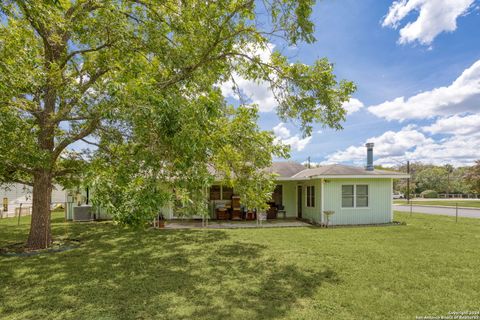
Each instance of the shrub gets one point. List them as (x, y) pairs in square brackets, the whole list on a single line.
[(429, 194)]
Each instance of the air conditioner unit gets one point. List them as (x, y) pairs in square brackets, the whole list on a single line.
[(82, 213)]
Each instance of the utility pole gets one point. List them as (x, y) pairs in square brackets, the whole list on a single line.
[(408, 181)]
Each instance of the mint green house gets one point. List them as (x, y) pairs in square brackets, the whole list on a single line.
[(356, 195)]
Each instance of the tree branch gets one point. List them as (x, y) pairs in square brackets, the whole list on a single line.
[(89, 129)]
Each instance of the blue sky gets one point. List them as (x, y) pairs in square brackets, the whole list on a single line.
[(415, 65)]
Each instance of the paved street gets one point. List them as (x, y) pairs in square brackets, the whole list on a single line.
[(468, 213)]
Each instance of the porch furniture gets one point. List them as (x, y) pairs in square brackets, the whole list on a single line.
[(222, 214), (272, 211), (250, 215), (282, 212), (236, 212)]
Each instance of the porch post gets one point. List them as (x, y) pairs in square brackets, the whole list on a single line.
[(321, 200)]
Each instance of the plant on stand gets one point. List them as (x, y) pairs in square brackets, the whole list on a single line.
[(328, 214)]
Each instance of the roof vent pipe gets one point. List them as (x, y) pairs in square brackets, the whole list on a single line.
[(369, 156)]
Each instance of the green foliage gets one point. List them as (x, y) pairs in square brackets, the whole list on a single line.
[(139, 81), (429, 194), (432, 178), (444, 179), (472, 177)]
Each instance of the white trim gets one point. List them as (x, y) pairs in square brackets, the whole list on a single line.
[(355, 196)]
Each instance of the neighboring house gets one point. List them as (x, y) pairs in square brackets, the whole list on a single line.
[(13, 195), (357, 195)]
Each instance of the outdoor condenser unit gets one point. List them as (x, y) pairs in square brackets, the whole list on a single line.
[(82, 213)]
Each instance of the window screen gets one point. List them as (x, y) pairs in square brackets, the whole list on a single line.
[(347, 196), (227, 193), (310, 196), (215, 193), (362, 195)]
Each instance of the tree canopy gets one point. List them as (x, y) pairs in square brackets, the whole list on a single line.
[(139, 80)]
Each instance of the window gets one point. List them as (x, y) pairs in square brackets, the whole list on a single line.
[(227, 193), (362, 196), (277, 195), (347, 196), (5, 204), (215, 193), (355, 196), (310, 196)]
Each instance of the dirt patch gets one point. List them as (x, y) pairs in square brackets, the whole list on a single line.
[(20, 249)]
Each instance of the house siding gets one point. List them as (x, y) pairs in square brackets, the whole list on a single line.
[(313, 214), (380, 202), (289, 197), (17, 194)]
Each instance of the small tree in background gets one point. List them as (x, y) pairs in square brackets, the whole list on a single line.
[(472, 176)]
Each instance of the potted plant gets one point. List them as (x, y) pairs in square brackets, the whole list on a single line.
[(160, 221), (328, 214)]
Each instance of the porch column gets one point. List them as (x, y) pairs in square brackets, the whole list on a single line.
[(321, 200)]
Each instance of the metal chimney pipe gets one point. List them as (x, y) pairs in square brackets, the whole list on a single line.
[(369, 156)]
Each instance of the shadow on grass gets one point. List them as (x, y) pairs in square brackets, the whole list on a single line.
[(170, 274)]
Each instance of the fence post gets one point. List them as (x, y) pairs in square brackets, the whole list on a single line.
[(19, 214), (410, 209), (456, 211)]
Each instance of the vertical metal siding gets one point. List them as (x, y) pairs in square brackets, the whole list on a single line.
[(380, 202)]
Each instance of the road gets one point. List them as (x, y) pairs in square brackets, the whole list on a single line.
[(468, 213)]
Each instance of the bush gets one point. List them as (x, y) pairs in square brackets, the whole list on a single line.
[(429, 194)]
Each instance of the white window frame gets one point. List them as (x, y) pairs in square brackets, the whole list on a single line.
[(355, 195), (309, 190)]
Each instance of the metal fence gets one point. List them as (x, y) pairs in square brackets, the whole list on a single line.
[(25, 209), (451, 196)]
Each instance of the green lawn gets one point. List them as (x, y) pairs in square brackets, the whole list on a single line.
[(431, 266), (438, 202)]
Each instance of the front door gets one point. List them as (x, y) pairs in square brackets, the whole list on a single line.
[(299, 202)]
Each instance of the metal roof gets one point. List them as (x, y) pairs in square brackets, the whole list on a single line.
[(290, 170), (286, 169), (283, 169)]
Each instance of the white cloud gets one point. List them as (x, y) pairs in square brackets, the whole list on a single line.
[(435, 17), (389, 144), (463, 95), (281, 131), (297, 143), (456, 125), (353, 105), (284, 135), (393, 148), (258, 92)]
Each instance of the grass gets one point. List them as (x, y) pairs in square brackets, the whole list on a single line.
[(446, 203), (428, 267)]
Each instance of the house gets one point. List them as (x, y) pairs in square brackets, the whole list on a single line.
[(357, 195), (14, 195)]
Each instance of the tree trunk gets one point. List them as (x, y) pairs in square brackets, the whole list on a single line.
[(40, 233)]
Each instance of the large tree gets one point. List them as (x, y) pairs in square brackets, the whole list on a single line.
[(125, 74)]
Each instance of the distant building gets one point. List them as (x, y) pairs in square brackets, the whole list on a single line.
[(13, 195)]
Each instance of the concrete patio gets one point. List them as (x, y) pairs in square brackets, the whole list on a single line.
[(227, 224)]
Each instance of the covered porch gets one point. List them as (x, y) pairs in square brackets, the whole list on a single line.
[(225, 205), (232, 224)]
